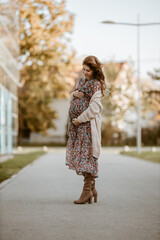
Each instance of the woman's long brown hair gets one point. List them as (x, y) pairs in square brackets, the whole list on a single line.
[(96, 66)]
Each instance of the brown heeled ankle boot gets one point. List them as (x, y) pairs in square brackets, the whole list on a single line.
[(94, 191), (87, 194)]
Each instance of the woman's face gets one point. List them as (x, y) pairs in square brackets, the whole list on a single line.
[(87, 71)]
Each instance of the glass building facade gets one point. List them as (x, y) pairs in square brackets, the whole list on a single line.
[(9, 76)]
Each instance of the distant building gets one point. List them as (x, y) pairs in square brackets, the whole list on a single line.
[(9, 77), (127, 82)]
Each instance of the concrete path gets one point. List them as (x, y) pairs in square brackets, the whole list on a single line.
[(38, 203)]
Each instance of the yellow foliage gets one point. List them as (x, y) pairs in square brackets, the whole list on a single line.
[(48, 63)]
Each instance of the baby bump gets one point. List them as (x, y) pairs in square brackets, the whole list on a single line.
[(78, 105)]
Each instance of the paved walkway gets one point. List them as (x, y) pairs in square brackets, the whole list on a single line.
[(38, 203)]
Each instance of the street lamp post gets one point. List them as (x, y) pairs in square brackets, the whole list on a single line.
[(138, 25)]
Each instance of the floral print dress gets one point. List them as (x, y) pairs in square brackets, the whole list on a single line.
[(79, 144)]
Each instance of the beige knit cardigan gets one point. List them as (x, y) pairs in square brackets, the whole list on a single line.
[(93, 114)]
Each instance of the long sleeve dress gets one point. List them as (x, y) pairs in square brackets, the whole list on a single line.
[(79, 144)]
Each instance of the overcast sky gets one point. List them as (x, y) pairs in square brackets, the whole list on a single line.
[(91, 37)]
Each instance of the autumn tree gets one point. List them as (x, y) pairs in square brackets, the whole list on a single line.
[(47, 61), (154, 95), (155, 75), (151, 95), (151, 109)]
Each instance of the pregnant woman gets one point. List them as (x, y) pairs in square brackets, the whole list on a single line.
[(84, 127)]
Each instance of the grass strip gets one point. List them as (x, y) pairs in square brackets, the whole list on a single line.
[(145, 155), (14, 165)]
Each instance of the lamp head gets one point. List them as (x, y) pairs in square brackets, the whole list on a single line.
[(109, 22)]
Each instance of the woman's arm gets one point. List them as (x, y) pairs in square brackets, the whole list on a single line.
[(72, 93), (94, 108), (71, 97)]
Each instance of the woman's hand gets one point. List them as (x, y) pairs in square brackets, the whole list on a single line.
[(75, 121), (78, 94)]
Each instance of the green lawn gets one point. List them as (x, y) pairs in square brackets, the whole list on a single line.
[(146, 155), (14, 165)]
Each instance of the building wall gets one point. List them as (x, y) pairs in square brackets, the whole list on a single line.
[(57, 135), (9, 77)]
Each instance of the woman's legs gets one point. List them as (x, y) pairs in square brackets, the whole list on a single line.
[(87, 194), (94, 191)]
